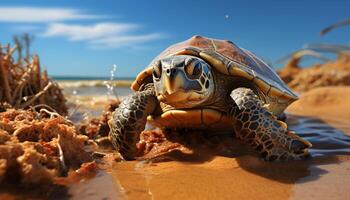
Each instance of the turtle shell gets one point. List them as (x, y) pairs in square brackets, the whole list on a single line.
[(229, 59)]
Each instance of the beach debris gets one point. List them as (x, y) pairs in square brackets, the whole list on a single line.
[(187, 145), (330, 73), (97, 128), (38, 145), (292, 66), (23, 84), (155, 143)]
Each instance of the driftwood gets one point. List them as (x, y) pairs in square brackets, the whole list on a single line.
[(22, 84), (330, 73)]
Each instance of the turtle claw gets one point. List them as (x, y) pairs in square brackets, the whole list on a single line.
[(281, 154), (298, 150), (299, 146)]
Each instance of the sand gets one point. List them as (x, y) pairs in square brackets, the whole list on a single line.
[(321, 115), (246, 176), (330, 104)]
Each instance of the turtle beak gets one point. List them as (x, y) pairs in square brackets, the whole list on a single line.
[(173, 81)]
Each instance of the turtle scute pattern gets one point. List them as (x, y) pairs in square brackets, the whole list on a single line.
[(258, 128), (129, 119)]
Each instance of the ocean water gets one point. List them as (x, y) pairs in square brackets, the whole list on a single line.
[(88, 96), (94, 86)]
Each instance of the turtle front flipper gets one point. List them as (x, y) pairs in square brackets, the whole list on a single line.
[(129, 120), (258, 128)]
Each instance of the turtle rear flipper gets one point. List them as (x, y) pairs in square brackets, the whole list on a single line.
[(129, 120), (257, 127)]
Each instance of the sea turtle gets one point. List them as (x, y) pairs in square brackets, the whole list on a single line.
[(211, 84)]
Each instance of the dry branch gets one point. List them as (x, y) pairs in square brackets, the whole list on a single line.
[(22, 84)]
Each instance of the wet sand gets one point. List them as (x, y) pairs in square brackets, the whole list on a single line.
[(321, 116)]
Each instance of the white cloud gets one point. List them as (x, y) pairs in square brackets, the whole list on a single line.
[(100, 35), (51, 22), (124, 40), (86, 32), (41, 14)]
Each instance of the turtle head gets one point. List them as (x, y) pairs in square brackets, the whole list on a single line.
[(182, 81)]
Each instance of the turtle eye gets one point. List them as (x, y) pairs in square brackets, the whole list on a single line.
[(157, 70), (194, 70)]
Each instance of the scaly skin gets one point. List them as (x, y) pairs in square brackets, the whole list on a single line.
[(258, 128), (129, 119)]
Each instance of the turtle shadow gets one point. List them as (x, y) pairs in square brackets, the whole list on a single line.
[(328, 142), (287, 172)]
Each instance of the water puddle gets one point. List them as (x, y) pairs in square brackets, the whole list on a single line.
[(326, 139)]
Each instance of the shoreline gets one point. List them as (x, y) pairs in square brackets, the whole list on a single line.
[(93, 83)]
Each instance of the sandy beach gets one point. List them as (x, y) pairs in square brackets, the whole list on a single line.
[(245, 176)]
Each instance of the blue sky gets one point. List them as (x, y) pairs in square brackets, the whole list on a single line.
[(85, 38)]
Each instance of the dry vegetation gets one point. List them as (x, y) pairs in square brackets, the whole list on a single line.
[(22, 84)]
